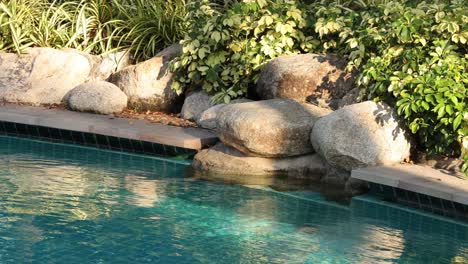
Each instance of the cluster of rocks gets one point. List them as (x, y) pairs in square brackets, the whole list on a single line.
[(306, 123), (100, 84), (284, 133)]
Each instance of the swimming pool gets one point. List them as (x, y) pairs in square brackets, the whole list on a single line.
[(69, 204)]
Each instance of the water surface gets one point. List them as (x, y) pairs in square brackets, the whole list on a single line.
[(68, 204)]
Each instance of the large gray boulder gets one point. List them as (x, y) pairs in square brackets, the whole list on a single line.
[(42, 76), (271, 128), (97, 97), (148, 84), (222, 159), (209, 118), (305, 77), (359, 135), (195, 104)]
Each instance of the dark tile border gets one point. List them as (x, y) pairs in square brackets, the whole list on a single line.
[(421, 201), (92, 140)]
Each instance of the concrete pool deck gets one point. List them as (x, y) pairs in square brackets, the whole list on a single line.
[(133, 129), (417, 179)]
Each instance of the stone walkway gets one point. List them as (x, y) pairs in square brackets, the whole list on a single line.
[(189, 138)]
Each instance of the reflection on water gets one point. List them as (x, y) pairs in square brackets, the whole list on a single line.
[(66, 204), (145, 192)]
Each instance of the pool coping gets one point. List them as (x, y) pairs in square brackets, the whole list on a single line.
[(102, 130), (418, 186)]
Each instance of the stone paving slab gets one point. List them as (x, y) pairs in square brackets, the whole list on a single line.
[(190, 138), (417, 179)]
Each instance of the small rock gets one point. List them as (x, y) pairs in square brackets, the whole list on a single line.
[(271, 128), (360, 135), (148, 84), (305, 77), (221, 159), (42, 76), (195, 104), (97, 97)]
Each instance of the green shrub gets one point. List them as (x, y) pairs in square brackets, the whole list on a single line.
[(94, 26), (90, 26), (152, 25), (411, 55), (225, 47)]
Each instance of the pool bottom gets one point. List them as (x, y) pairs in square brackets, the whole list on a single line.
[(63, 204)]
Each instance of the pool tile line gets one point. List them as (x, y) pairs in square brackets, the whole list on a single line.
[(176, 160), (92, 140), (375, 199), (418, 187), (421, 201)]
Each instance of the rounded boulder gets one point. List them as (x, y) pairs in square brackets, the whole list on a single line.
[(361, 135), (97, 97), (270, 128)]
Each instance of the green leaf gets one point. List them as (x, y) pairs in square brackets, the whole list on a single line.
[(425, 105), (227, 99), (216, 36), (449, 109), (441, 112), (457, 121)]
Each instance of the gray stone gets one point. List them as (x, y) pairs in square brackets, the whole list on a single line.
[(360, 135), (240, 101), (97, 97), (208, 119), (271, 128), (352, 97), (356, 186), (111, 63), (335, 176), (148, 84), (42, 76), (195, 104), (221, 159), (170, 52), (305, 77)]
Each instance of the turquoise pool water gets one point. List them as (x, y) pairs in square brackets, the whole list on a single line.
[(67, 204)]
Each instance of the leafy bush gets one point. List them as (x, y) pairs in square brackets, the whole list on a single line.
[(411, 55), (225, 47), (95, 26)]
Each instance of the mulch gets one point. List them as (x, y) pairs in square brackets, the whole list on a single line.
[(150, 116), (157, 117)]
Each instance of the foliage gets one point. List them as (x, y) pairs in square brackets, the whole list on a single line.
[(225, 48), (151, 25), (411, 55), (95, 26)]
